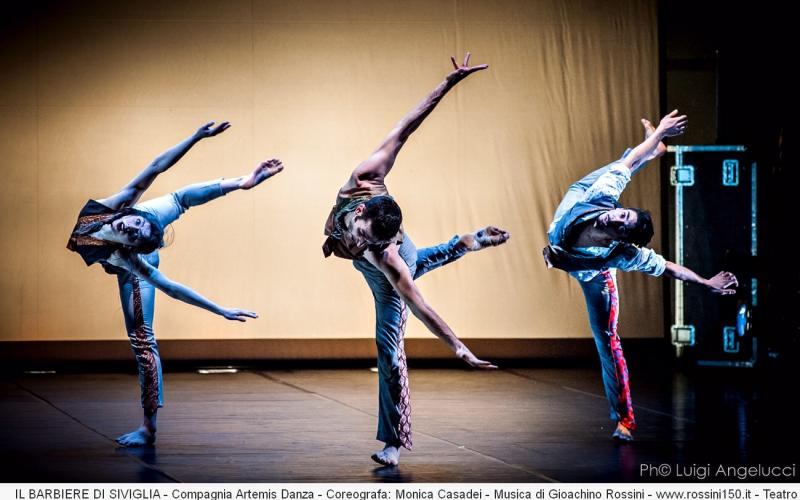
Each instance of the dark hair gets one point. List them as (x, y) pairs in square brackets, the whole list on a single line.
[(642, 232), (156, 238), (385, 215), (143, 245)]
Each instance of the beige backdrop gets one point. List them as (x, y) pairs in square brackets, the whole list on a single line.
[(93, 90)]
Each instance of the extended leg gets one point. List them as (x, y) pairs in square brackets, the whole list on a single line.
[(434, 257), (169, 208), (203, 192), (138, 302), (602, 302)]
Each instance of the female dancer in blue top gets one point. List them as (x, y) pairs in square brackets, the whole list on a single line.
[(124, 236)]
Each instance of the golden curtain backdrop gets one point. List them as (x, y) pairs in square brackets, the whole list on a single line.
[(93, 91)]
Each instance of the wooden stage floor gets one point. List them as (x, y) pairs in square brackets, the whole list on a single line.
[(512, 425)]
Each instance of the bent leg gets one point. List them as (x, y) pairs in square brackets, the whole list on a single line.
[(602, 302)]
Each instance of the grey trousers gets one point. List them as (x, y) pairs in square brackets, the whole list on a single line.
[(394, 425)]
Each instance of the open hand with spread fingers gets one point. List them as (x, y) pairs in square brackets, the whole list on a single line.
[(724, 283), (673, 124), (463, 70)]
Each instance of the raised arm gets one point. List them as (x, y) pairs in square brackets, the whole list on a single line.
[(398, 274), (182, 292), (669, 126), (723, 283), (378, 165), (130, 194)]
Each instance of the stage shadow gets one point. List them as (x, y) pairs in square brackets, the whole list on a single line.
[(391, 474), (148, 458)]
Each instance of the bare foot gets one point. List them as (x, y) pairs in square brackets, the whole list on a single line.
[(648, 131), (140, 437), (622, 433), (390, 455), (262, 172), (489, 236)]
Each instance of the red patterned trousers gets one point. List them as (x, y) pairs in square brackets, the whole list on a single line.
[(602, 303)]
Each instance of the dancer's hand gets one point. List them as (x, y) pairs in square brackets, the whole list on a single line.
[(672, 124), (235, 314), (207, 130), (262, 172), (462, 71), (473, 361), (724, 283)]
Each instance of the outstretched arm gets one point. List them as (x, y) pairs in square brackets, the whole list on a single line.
[(723, 283), (378, 165), (669, 126), (182, 292), (398, 274), (130, 194)]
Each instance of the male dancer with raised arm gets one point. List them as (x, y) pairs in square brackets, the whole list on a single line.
[(365, 227), (592, 236)]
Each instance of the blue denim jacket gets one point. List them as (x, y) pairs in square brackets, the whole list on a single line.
[(586, 199)]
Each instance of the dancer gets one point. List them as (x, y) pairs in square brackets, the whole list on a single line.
[(124, 237), (591, 237), (365, 225)]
